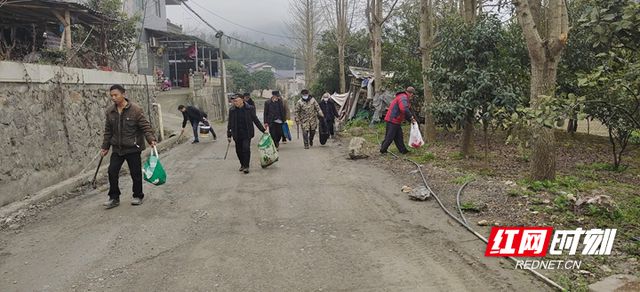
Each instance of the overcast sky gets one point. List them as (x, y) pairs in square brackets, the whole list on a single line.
[(263, 15)]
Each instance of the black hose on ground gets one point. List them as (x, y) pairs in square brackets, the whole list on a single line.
[(458, 201), (466, 225)]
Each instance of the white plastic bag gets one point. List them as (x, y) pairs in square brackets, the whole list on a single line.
[(415, 138)]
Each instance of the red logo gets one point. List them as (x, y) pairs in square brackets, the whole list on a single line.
[(519, 241)]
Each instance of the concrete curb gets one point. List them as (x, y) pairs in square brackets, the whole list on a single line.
[(72, 183)]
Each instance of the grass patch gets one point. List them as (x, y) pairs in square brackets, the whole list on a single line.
[(470, 207), (561, 185), (362, 123), (457, 156), (573, 285), (463, 179), (425, 157), (600, 166)]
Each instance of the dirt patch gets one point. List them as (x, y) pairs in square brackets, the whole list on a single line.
[(500, 193)]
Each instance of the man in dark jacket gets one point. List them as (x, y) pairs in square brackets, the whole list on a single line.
[(399, 111), (242, 117), (124, 131), (330, 112), (194, 116), (274, 116)]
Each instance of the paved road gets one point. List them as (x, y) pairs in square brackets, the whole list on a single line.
[(314, 221)]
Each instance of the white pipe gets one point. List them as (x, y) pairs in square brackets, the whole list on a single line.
[(160, 118)]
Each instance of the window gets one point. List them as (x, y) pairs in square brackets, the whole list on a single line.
[(158, 8)]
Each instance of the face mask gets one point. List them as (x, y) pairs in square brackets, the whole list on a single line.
[(325, 98), (305, 97)]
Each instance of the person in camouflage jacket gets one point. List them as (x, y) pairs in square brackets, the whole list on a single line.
[(307, 112)]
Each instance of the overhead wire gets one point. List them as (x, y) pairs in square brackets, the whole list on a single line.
[(234, 38), (245, 27)]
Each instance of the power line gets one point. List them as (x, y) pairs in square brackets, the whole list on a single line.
[(246, 27), (234, 38)]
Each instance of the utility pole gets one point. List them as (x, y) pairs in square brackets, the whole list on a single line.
[(196, 56), (295, 80), (223, 80)]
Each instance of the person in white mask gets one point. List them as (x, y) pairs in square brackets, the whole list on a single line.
[(307, 113), (330, 112)]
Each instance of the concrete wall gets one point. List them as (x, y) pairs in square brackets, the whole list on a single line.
[(52, 120), (208, 97)]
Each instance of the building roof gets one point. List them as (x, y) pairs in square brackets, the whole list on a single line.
[(40, 11), (287, 74), (178, 40), (361, 73), (256, 65)]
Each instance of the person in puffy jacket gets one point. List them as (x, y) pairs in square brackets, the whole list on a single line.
[(398, 112), (125, 130)]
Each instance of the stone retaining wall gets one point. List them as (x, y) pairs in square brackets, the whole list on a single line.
[(52, 120)]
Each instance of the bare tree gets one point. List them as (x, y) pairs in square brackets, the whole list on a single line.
[(545, 44), (427, 36), (469, 10), (341, 24), (305, 24), (375, 21)]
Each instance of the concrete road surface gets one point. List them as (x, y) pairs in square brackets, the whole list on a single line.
[(314, 221)]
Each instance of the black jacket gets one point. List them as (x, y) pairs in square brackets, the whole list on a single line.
[(250, 118), (192, 114), (274, 111), (329, 109)]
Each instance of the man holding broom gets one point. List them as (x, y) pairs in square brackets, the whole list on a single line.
[(124, 131)]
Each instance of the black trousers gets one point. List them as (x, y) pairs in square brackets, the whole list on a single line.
[(134, 161), (331, 124), (393, 134), (194, 125), (275, 130), (243, 150)]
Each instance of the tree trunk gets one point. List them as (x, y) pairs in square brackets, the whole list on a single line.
[(545, 56), (572, 126), (375, 20), (343, 81), (342, 29), (467, 126), (613, 148), (467, 136), (426, 43), (470, 9), (543, 156), (376, 52)]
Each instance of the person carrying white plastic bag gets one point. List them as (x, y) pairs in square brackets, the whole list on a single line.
[(415, 137), (399, 111)]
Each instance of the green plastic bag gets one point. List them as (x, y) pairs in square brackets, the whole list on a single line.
[(267, 150), (153, 170)]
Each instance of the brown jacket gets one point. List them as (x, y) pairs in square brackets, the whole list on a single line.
[(125, 131)]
